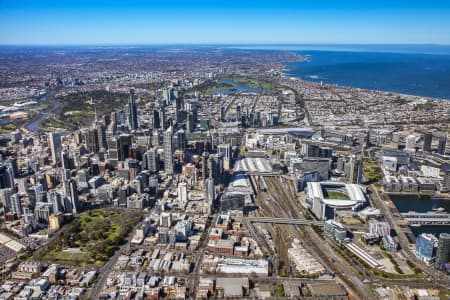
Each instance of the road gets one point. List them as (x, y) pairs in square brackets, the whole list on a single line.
[(104, 271), (438, 277)]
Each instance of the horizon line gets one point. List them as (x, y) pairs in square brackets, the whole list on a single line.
[(216, 44)]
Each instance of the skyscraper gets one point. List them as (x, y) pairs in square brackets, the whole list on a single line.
[(205, 157), (181, 137), (425, 247), (168, 151), (222, 113), (427, 140), (151, 160), (92, 140), (65, 159), (156, 119), (54, 198), (442, 144), (155, 138), (182, 193), (16, 206), (238, 112), (55, 145), (71, 203), (113, 151), (443, 251), (6, 177), (5, 198), (209, 191), (101, 136), (410, 143), (132, 114)]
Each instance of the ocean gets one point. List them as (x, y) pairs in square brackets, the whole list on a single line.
[(417, 74)]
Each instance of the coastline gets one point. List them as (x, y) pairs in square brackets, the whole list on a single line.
[(283, 74), (287, 72)]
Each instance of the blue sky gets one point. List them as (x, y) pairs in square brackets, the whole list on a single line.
[(42, 22)]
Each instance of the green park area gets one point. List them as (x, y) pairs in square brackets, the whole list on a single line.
[(78, 109), (210, 86), (92, 239), (372, 171), (257, 83)]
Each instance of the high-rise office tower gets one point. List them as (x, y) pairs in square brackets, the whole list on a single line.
[(162, 119), (65, 159), (16, 206), (92, 140), (73, 188), (427, 140), (205, 157), (182, 193), (156, 119), (190, 122), (6, 177), (442, 144), (101, 136), (178, 106), (181, 140), (151, 160), (5, 198), (125, 146), (113, 151), (443, 251), (55, 145), (168, 94), (209, 191), (425, 246), (410, 143), (222, 113), (168, 151), (165, 220), (238, 112), (155, 138), (225, 150), (55, 199), (132, 114), (215, 167)]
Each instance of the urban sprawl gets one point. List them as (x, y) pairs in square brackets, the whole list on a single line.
[(206, 173)]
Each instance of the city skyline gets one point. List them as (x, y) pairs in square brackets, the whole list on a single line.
[(229, 22)]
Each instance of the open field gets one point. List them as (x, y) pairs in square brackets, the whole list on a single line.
[(336, 195)]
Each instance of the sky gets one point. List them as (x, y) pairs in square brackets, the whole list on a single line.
[(132, 22)]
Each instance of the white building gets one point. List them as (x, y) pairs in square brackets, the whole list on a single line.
[(389, 163)]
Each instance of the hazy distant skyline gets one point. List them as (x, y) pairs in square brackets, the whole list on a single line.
[(225, 22)]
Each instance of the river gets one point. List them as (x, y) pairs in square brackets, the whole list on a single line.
[(34, 126), (405, 203)]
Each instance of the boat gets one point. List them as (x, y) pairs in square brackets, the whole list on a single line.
[(440, 209)]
